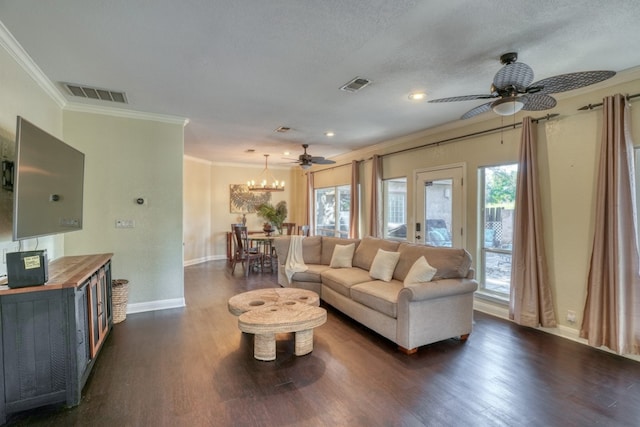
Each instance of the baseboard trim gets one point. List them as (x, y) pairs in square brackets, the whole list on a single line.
[(196, 261), (560, 331), (164, 304)]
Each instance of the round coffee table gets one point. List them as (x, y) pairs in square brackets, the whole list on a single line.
[(289, 316), (267, 312), (258, 298)]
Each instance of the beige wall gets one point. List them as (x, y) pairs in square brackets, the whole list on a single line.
[(568, 152), (125, 159), (197, 210), (215, 218), (20, 95)]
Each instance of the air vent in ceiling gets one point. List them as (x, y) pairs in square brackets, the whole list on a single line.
[(96, 93), (283, 129), (355, 84)]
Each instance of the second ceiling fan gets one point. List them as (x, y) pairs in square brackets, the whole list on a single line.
[(306, 160), (512, 89)]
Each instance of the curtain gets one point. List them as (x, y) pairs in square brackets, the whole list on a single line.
[(375, 222), (354, 206), (310, 202), (530, 301), (612, 308)]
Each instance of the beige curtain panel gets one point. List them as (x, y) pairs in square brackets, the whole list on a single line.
[(376, 195), (310, 203), (530, 302), (612, 309), (354, 207)]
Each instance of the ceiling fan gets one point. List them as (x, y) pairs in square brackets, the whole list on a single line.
[(306, 160), (512, 89)]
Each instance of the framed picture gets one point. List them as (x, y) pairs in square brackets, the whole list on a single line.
[(245, 201)]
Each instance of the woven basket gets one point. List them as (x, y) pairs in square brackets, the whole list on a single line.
[(119, 296)]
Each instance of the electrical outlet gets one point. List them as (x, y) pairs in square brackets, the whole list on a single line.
[(571, 316), (125, 223)]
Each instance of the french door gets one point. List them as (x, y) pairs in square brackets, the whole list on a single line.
[(440, 207)]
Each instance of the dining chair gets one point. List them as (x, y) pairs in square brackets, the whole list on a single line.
[(304, 230), (289, 227), (244, 254)]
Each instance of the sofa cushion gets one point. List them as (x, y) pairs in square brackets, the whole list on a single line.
[(342, 255), (312, 274), (328, 243), (378, 295), (383, 265), (368, 248), (452, 263), (342, 279), (311, 248), (420, 271)]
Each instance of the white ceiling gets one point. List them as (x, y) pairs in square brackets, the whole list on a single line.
[(238, 69)]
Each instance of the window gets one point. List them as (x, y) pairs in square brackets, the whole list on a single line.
[(394, 196), (498, 198), (332, 203)]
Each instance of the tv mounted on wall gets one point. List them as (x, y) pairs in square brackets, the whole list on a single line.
[(48, 185)]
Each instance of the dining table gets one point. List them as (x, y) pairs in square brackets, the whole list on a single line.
[(264, 242)]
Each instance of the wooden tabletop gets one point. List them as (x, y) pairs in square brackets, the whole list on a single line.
[(267, 297), (65, 272), (289, 316)]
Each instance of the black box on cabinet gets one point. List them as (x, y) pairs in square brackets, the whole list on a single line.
[(29, 268)]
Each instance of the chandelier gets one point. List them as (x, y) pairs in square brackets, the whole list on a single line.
[(266, 181)]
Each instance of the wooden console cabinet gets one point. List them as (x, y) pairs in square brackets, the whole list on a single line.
[(51, 334)]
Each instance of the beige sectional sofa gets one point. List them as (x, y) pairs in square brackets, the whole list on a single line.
[(411, 314)]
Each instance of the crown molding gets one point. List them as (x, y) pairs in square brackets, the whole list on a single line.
[(15, 50), (128, 114), (197, 160), (11, 45)]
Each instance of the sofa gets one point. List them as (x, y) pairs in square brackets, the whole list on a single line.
[(410, 311)]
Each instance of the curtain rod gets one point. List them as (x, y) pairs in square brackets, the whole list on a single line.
[(592, 106), (455, 138), (482, 132)]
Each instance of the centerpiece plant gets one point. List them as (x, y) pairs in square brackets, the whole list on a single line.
[(275, 215)]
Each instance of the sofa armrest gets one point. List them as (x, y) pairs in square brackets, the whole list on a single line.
[(437, 289)]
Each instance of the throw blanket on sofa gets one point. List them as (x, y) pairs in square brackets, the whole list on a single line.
[(295, 262)]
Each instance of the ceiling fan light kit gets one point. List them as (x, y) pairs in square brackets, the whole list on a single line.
[(507, 106), (266, 182), (512, 89)]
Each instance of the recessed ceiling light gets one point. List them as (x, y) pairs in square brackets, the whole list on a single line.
[(286, 153), (417, 96), (329, 133)]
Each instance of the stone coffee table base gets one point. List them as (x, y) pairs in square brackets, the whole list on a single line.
[(267, 312), (290, 316)]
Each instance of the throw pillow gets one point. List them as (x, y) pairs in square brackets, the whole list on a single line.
[(420, 271), (383, 265), (342, 256)]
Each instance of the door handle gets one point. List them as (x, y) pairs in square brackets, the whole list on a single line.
[(418, 236)]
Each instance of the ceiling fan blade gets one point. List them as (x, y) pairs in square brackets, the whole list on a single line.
[(463, 98), (570, 81), (516, 74), (322, 161), (538, 102), (478, 110)]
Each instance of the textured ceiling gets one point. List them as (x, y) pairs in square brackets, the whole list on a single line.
[(240, 69)]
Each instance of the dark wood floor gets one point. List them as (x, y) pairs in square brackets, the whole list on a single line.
[(193, 367)]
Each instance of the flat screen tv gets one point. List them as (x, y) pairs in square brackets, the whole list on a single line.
[(48, 185)]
